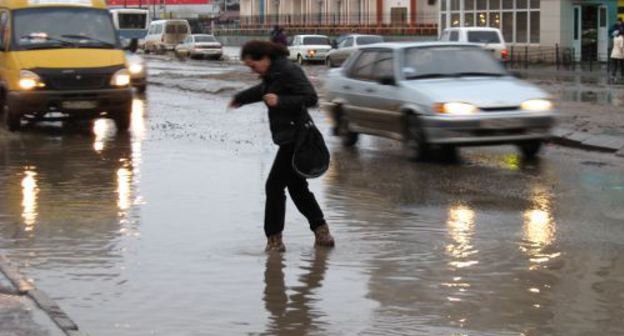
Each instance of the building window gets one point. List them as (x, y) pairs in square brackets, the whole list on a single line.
[(519, 20), (521, 27)]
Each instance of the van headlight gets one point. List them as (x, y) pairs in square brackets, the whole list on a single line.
[(455, 108), (136, 68), (121, 78), (537, 105), (311, 52), (29, 80)]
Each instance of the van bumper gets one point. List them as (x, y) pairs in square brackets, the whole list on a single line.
[(77, 104)]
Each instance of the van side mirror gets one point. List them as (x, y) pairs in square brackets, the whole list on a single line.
[(131, 45)]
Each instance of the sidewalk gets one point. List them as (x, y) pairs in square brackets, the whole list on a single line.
[(26, 310)]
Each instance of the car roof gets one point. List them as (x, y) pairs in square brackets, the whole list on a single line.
[(306, 35), (171, 21), (474, 28), (203, 35), (17, 4), (404, 45)]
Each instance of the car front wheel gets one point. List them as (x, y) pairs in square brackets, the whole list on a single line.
[(415, 145), (12, 118), (122, 120), (349, 138), (300, 60), (530, 149)]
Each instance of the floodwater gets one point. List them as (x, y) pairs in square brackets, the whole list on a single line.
[(160, 232)]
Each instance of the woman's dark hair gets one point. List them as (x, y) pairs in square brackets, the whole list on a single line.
[(257, 50)]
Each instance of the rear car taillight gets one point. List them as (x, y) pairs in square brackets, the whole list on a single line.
[(504, 54)]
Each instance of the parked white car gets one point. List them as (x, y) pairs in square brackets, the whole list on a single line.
[(309, 48), (436, 96), (347, 46), (200, 45), (165, 35), (489, 38)]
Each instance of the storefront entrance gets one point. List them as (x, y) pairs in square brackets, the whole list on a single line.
[(591, 33)]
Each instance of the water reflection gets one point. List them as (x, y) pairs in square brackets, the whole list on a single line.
[(104, 132), (539, 226), (294, 314), (29, 198), (461, 227)]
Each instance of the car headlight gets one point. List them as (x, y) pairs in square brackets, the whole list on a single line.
[(455, 108), (537, 105), (121, 78), (136, 68), (29, 80), (311, 52)]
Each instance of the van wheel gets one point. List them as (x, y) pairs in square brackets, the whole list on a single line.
[(141, 89), (122, 120), (300, 60), (415, 145), (12, 118)]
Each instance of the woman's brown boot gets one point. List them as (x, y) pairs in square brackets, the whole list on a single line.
[(323, 237), (275, 244)]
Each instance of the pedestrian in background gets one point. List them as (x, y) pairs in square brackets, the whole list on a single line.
[(619, 25), (617, 53), (278, 35), (287, 93)]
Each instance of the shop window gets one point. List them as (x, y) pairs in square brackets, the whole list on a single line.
[(455, 20), (494, 4), (521, 27), (508, 4), (508, 25), (481, 4), (535, 27), (469, 20), (535, 4), (482, 19), (521, 4), (454, 5), (469, 5), (495, 20)]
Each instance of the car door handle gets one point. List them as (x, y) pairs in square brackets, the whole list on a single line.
[(369, 90), (346, 87)]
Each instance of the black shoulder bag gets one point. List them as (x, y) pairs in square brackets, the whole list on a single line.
[(311, 156)]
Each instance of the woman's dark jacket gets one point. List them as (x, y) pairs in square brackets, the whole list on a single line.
[(294, 91)]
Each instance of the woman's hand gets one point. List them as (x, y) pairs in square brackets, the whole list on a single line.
[(271, 99)]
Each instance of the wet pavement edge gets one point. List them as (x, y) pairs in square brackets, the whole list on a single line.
[(588, 141), (23, 287)]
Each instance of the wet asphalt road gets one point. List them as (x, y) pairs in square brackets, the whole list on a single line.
[(160, 232)]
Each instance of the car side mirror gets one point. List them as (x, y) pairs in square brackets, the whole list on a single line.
[(334, 44), (389, 80)]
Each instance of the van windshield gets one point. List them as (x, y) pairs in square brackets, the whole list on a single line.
[(63, 27), (176, 29)]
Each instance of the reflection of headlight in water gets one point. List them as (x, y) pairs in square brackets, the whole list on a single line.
[(124, 177), (461, 222), (101, 130), (29, 199), (538, 227), (138, 123)]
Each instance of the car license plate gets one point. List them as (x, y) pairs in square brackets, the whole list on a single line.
[(79, 104), (501, 123)]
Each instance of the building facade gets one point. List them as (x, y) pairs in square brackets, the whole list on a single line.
[(340, 12), (580, 26)]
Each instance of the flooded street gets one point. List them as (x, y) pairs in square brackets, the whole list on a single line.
[(160, 232)]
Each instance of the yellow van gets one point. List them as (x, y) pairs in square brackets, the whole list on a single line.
[(60, 60)]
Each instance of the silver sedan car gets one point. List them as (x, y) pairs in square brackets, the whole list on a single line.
[(436, 96)]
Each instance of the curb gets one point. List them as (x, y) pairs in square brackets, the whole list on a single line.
[(51, 308), (584, 140)]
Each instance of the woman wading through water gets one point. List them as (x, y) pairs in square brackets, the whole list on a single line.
[(286, 91)]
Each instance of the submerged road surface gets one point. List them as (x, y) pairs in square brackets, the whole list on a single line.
[(160, 232)]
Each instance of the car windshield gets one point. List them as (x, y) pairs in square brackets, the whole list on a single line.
[(483, 37), (41, 28), (316, 40), (363, 40), (435, 62), (205, 38)]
